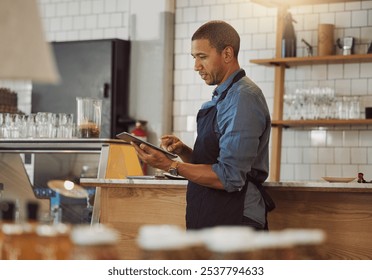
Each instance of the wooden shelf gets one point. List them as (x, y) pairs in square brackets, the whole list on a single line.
[(293, 3), (309, 60), (281, 64), (318, 123)]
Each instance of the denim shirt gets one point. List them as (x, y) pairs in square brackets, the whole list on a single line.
[(243, 127)]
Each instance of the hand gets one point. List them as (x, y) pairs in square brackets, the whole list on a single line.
[(152, 157), (172, 144)]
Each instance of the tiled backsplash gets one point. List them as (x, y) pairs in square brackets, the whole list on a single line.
[(306, 154), (66, 20)]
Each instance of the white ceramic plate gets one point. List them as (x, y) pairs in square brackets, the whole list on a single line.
[(339, 179)]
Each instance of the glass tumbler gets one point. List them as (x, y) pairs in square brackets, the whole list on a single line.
[(89, 112)]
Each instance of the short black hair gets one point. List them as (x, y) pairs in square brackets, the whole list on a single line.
[(219, 34)]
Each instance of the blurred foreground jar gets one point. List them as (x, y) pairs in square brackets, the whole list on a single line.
[(7, 216), (18, 239), (170, 242), (97, 242), (307, 243), (53, 241), (19, 242), (228, 242), (289, 244)]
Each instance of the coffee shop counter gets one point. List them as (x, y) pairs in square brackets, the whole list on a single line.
[(342, 210), (127, 204)]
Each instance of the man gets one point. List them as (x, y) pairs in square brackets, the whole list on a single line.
[(231, 149)]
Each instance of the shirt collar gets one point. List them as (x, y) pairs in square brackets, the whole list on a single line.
[(222, 87)]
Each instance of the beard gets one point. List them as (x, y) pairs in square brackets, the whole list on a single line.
[(211, 79)]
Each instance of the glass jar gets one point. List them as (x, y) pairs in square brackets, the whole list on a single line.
[(97, 242)]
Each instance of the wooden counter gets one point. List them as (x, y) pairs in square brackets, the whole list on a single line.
[(128, 204), (342, 210)]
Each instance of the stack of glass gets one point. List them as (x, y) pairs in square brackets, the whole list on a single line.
[(319, 103), (39, 125)]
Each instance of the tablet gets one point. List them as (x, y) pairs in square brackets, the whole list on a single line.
[(131, 138)]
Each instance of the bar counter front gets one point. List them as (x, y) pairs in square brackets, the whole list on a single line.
[(342, 210)]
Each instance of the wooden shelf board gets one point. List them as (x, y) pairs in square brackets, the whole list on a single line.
[(296, 61), (298, 123)]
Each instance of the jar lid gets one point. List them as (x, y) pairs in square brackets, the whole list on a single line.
[(87, 235), (12, 229), (226, 239), (304, 236), (162, 237)]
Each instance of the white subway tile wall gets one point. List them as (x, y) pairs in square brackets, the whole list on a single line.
[(306, 154), (66, 20)]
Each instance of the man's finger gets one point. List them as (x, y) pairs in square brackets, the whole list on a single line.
[(143, 147)]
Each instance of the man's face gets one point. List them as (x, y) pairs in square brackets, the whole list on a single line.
[(208, 62)]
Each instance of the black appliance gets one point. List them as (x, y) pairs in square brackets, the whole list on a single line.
[(92, 68)]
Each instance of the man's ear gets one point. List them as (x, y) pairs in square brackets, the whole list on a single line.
[(228, 54)]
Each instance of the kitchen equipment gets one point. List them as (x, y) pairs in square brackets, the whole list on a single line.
[(326, 39), (369, 48), (368, 112), (346, 44), (309, 48)]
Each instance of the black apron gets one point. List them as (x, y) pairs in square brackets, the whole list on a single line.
[(207, 207)]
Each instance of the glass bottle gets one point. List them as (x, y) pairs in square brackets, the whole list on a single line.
[(289, 43)]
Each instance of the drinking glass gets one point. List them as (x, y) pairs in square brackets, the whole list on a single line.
[(69, 130), (354, 109), (22, 126), (89, 117), (31, 126), (44, 124), (14, 127)]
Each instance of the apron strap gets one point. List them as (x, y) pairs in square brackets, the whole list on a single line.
[(237, 77)]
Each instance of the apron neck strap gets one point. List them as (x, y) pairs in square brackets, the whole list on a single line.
[(237, 77)]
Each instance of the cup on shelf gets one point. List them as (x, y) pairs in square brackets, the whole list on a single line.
[(320, 103), (309, 103)]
